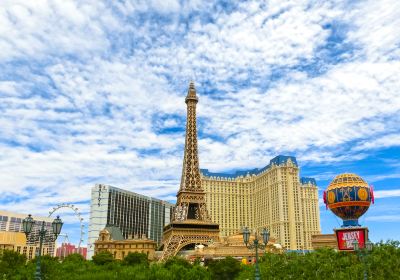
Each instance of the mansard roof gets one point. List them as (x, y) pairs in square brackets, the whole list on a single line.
[(278, 160), (306, 180), (115, 232)]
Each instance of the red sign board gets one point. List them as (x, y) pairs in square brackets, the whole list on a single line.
[(346, 237)]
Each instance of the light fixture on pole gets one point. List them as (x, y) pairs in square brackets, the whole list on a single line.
[(362, 253), (256, 245), (27, 225)]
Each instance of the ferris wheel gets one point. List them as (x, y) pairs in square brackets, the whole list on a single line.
[(76, 214)]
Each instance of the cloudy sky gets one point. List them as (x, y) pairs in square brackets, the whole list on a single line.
[(93, 92)]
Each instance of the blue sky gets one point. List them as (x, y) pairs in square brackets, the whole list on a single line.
[(93, 92)]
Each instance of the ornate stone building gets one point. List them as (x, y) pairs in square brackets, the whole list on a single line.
[(274, 197), (233, 246), (111, 239)]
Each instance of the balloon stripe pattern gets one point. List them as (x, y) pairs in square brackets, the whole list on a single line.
[(348, 196)]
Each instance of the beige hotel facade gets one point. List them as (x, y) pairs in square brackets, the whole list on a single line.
[(13, 238), (274, 197)]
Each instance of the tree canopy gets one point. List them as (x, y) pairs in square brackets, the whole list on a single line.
[(225, 269), (103, 258), (382, 263), (136, 258)]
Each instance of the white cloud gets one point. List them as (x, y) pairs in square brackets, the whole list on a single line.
[(38, 29), (318, 112), (387, 193), (379, 177), (90, 94), (376, 29), (8, 87), (383, 218), (388, 140)]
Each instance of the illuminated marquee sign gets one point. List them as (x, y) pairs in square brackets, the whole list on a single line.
[(345, 237)]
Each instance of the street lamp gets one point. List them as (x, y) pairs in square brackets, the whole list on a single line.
[(362, 254), (27, 225), (256, 245)]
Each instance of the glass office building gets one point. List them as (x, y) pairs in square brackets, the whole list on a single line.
[(135, 214)]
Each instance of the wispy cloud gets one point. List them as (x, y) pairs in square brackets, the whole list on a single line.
[(383, 218), (387, 193), (92, 91)]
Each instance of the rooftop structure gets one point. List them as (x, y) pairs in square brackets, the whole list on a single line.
[(131, 212)]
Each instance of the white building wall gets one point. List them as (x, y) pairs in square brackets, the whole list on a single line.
[(167, 217), (98, 215), (99, 205)]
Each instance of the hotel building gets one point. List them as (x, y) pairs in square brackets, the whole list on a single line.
[(13, 238), (67, 249), (274, 197), (132, 213)]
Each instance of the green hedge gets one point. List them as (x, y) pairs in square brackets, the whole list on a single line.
[(382, 263)]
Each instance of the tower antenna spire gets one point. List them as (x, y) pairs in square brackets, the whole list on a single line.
[(191, 222)]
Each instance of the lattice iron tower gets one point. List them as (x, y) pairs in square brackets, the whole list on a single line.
[(191, 223)]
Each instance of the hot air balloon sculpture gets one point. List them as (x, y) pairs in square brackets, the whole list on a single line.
[(348, 196)]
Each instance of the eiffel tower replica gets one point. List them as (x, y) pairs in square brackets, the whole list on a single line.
[(191, 223)]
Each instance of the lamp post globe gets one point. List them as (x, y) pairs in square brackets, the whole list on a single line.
[(246, 235), (256, 244), (265, 235), (57, 225), (27, 224)]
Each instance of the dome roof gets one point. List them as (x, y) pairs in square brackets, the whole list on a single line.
[(346, 179)]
